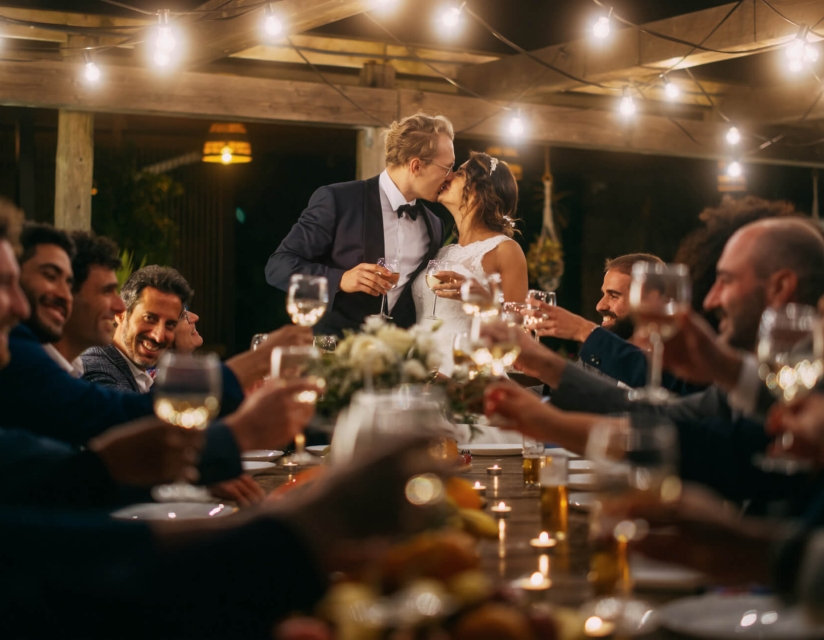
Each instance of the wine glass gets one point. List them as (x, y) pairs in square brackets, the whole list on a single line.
[(482, 296), (658, 296), (307, 299), (257, 340), (790, 362), (495, 341), (393, 278), (534, 315), (293, 363), (187, 391), (465, 367), (635, 463), (433, 277)]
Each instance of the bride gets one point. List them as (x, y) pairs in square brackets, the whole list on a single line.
[(482, 196)]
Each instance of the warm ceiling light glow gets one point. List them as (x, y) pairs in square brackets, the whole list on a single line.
[(271, 24), (226, 155), (627, 107), (451, 17), (92, 72), (161, 58), (733, 135), (601, 28), (516, 126), (227, 143), (670, 89), (734, 169)]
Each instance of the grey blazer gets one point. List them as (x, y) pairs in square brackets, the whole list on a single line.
[(108, 367)]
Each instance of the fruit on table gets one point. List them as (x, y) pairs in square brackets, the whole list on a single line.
[(462, 493), (470, 587), (478, 523), (493, 621), (438, 554)]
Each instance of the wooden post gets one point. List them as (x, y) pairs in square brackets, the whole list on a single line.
[(26, 186), (75, 166), (371, 153)]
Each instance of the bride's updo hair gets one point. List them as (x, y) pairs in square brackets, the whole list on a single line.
[(492, 191)]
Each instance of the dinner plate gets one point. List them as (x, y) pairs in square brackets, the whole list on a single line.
[(581, 465), (663, 576), (258, 468), (582, 481), (566, 452), (582, 501), (172, 511), (317, 449), (731, 617), (261, 455), (492, 449)]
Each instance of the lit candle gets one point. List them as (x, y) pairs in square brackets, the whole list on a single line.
[(501, 509), (536, 582), (543, 541), (494, 470), (543, 564), (291, 467), (479, 488), (595, 627)]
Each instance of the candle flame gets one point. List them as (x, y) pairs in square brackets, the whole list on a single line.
[(501, 505), (544, 537), (593, 624), (495, 466), (537, 579), (477, 485)]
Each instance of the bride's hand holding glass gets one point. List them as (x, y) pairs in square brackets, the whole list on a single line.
[(450, 284)]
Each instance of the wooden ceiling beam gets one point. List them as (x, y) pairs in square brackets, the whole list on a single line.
[(629, 54), (226, 97)]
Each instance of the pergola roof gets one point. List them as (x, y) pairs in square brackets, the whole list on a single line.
[(228, 70)]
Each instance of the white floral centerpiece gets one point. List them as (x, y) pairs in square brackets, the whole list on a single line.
[(381, 356)]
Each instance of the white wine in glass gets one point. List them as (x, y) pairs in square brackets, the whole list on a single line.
[(393, 278), (433, 277), (307, 299), (293, 363), (495, 343), (482, 296), (187, 390), (659, 296)]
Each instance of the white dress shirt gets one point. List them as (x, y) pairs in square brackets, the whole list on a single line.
[(73, 368), (403, 239), (144, 380)]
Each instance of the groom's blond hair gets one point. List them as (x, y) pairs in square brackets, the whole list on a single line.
[(415, 137)]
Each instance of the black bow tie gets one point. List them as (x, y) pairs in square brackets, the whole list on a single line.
[(412, 210)]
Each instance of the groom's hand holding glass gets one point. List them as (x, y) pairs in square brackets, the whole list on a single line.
[(367, 278)]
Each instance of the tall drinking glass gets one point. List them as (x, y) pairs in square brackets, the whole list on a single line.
[(791, 363), (187, 391), (393, 266), (307, 299), (658, 296), (554, 498), (633, 463), (293, 363)]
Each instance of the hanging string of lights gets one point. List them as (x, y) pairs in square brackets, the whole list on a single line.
[(162, 40)]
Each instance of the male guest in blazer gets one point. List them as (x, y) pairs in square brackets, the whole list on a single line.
[(348, 227)]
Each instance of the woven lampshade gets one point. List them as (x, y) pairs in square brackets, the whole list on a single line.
[(227, 143)]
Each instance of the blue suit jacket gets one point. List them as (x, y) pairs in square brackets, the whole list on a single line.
[(623, 361), (341, 227), (107, 367)]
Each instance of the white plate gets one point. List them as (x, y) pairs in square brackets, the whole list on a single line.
[(492, 449), (581, 481), (581, 501), (172, 511), (581, 465), (258, 468), (730, 617), (261, 455), (663, 576), (566, 452), (317, 449)]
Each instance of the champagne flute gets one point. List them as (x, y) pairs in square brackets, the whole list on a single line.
[(790, 362), (536, 295), (495, 341), (187, 391), (307, 299), (293, 363), (658, 296), (634, 463), (393, 278)]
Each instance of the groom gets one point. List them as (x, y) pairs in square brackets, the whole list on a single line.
[(348, 227)]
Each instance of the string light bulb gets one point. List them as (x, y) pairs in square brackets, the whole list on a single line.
[(226, 155), (734, 169), (516, 126), (451, 17), (800, 51), (627, 106), (601, 28), (271, 25), (165, 41), (91, 71), (733, 135), (670, 89)]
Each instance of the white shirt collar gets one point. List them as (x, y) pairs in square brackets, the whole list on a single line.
[(144, 380), (73, 368), (393, 194)]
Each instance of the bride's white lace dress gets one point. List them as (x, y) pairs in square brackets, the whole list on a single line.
[(467, 261)]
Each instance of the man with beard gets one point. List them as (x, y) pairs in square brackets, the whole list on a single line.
[(154, 298), (95, 301)]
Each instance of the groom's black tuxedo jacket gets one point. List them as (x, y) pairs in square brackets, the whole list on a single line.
[(341, 227)]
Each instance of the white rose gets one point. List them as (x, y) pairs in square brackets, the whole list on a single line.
[(370, 354), (373, 324), (397, 339), (414, 370)]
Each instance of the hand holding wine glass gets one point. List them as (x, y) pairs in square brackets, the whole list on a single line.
[(393, 266), (435, 276), (496, 341), (659, 297), (482, 296), (307, 299)]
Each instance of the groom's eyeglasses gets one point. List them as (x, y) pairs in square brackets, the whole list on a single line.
[(448, 169)]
